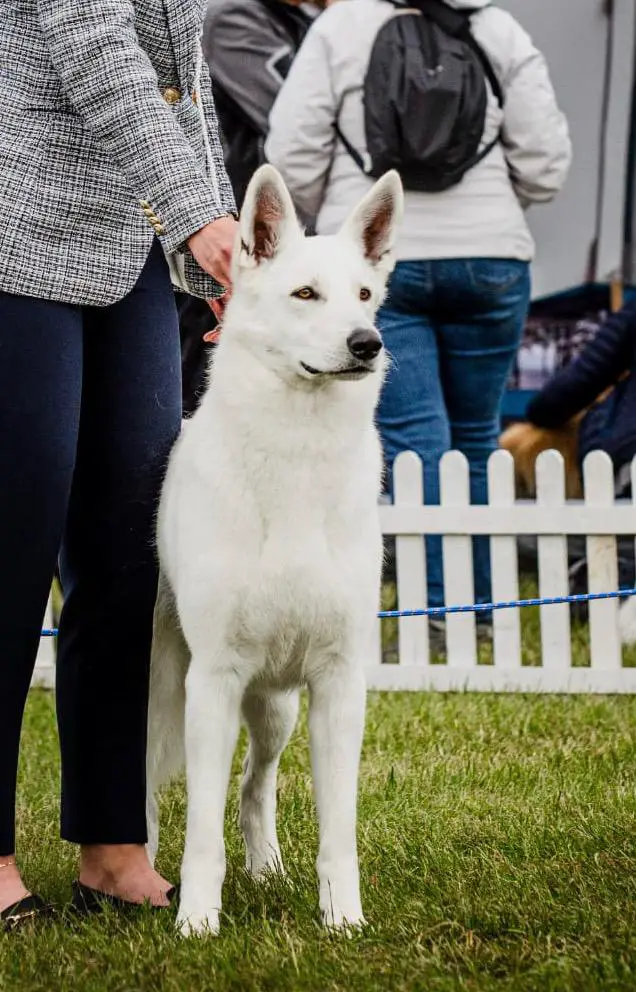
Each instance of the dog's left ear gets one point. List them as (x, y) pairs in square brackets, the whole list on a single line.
[(268, 218), (375, 222)]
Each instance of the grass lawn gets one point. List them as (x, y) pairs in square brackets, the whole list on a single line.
[(498, 850)]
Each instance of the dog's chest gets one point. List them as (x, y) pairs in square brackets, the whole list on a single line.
[(296, 542), (297, 616)]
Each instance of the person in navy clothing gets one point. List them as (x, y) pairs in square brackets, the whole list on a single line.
[(608, 361)]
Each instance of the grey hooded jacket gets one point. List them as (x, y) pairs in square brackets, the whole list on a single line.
[(249, 46)]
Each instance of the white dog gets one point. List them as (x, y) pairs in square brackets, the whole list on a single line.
[(270, 546)]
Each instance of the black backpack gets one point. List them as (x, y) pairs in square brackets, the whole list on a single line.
[(425, 97)]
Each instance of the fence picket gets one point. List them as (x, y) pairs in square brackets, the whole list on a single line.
[(44, 673), (556, 648), (410, 555), (504, 565), (459, 587), (633, 507), (376, 645), (602, 567), (627, 609)]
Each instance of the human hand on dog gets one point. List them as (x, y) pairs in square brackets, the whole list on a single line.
[(212, 248)]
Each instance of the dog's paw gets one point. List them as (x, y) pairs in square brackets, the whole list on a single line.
[(344, 920), (206, 924), (262, 867)]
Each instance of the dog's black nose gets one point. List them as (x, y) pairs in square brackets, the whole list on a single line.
[(364, 345)]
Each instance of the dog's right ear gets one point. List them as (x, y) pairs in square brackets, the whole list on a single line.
[(268, 218)]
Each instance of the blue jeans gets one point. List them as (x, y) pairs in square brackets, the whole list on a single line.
[(452, 328), (90, 405)]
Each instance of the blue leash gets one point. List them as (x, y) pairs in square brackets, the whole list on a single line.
[(442, 611)]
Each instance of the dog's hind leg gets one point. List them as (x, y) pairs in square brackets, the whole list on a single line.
[(270, 717), (168, 668), (336, 726)]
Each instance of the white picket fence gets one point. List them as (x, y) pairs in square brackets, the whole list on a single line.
[(598, 517)]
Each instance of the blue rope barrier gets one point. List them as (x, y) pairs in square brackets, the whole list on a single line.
[(442, 611)]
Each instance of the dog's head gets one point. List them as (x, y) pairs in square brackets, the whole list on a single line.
[(306, 306)]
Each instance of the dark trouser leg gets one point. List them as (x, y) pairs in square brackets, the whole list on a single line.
[(40, 389), (131, 413)]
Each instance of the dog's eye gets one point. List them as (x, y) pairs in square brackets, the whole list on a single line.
[(305, 293), (365, 294)]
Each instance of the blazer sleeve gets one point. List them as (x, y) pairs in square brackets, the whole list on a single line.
[(219, 177), (110, 82)]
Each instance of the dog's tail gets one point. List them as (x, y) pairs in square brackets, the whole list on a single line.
[(166, 712)]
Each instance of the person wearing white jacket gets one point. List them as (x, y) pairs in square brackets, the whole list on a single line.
[(459, 294)]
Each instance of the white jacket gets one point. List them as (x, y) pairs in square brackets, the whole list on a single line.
[(482, 216)]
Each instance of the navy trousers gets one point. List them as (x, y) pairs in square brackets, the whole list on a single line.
[(90, 405)]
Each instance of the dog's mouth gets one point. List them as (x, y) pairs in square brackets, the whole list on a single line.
[(356, 371)]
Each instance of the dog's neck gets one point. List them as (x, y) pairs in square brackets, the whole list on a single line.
[(255, 396), (319, 440)]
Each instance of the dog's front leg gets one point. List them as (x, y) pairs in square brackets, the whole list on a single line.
[(213, 704), (336, 727)]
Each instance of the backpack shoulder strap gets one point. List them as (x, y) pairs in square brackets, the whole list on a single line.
[(350, 150), (486, 64)]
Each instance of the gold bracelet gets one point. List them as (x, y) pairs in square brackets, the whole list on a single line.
[(8, 864)]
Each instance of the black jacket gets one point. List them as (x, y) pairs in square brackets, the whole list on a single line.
[(610, 426)]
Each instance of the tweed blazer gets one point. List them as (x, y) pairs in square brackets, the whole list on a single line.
[(102, 145)]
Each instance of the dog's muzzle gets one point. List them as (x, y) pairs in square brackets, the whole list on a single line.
[(364, 346)]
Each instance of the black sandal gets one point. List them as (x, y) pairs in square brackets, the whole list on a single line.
[(86, 900), (24, 910)]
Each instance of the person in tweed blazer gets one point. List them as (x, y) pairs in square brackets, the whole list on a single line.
[(110, 165)]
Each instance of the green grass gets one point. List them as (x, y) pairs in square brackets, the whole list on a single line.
[(498, 851)]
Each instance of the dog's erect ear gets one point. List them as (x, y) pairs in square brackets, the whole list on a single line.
[(375, 222), (268, 218)]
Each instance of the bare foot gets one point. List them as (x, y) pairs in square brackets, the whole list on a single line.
[(123, 870), (11, 886)]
